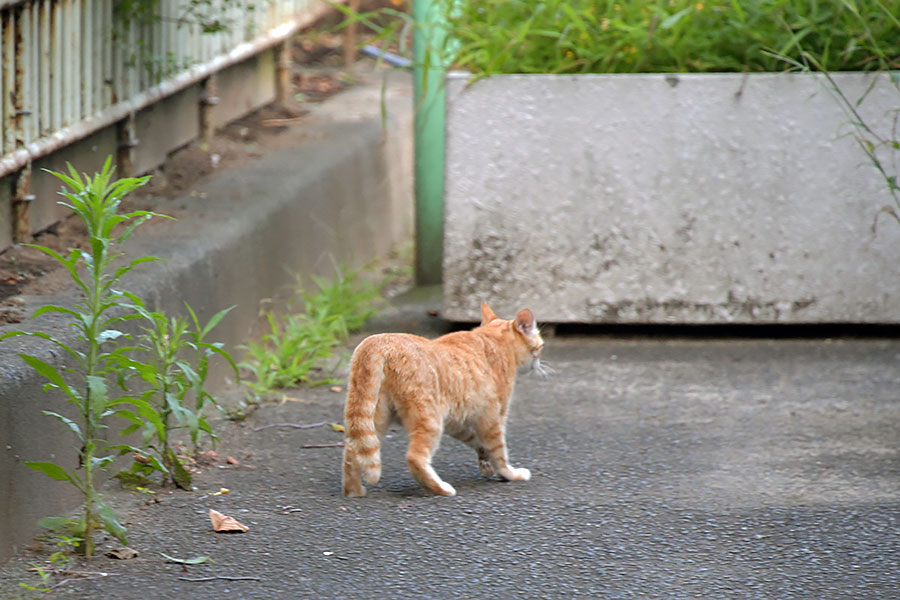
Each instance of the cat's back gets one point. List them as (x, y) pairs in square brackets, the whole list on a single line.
[(410, 352), (391, 343)]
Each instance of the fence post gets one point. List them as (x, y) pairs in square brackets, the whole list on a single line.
[(208, 101), (21, 205), (283, 72), (350, 36), (429, 36), (127, 136)]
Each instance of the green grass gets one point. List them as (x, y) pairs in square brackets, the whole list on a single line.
[(298, 346), (660, 36)]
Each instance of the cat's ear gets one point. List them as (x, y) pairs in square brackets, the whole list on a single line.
[(487, 315), (525, 322)]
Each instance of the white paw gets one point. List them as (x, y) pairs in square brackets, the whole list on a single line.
[(447, 489), (520, 474)]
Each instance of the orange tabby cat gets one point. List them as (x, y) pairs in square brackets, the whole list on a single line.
[(459, 384)]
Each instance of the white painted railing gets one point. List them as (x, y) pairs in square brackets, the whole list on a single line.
[(71, 67)]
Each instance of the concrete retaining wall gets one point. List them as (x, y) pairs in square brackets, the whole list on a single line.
[(667, 199), (338, 189)]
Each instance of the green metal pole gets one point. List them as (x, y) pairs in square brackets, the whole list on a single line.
[(428, 82)]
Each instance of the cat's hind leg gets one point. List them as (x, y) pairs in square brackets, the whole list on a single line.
[(494, 439), (424, 437)]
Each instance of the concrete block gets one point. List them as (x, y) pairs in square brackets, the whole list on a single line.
[(718, 198)]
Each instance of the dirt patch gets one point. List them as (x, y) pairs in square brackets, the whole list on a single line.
[(318, 75)]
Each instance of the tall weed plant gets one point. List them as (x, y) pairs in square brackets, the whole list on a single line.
[(106, 359), (490, 37), (91, 385)]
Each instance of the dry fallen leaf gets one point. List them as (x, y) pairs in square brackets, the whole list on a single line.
[(208, 457), (337, 427), (221, 492), (232, 460), (222, 522), (122, 553)]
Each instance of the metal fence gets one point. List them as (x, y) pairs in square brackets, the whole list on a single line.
[(72, 67)]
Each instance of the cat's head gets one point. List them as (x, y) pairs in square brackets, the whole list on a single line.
[(525, 330)]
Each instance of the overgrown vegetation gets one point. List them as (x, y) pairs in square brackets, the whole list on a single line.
[(880, 145), (634, 36), (298, 346), (173, 359), (106, 358), (203, 16)]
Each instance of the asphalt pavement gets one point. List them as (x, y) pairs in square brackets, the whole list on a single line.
[(662, 467)]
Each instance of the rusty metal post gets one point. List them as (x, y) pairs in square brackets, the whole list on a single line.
[(208, 100), (128, 141), (21, 206), (350, 36), (283, 71)]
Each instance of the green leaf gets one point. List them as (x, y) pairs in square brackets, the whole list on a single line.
[(131, 428), (111, 521), (198, 560), (137, 219), (78, 356), (211, 324), (47, 308), (179, 474), (49, 372), (132, 481), (98, 394), (224, 354), (122, 270), (69, 422), (109, 334), (100, 462), (184, 416), (138, 467), (51, 470), (54, 523)]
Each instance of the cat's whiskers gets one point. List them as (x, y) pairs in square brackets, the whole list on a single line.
[(542, 369)]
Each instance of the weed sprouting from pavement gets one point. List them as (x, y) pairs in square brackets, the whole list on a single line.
[(90, 384), (297, 346)]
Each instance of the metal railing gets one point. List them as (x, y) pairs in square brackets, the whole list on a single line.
[(71, 67)]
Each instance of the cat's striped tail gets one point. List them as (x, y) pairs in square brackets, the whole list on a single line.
[(362, 444)]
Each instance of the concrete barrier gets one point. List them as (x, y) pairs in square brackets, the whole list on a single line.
[(719, 198), (338, 188)]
